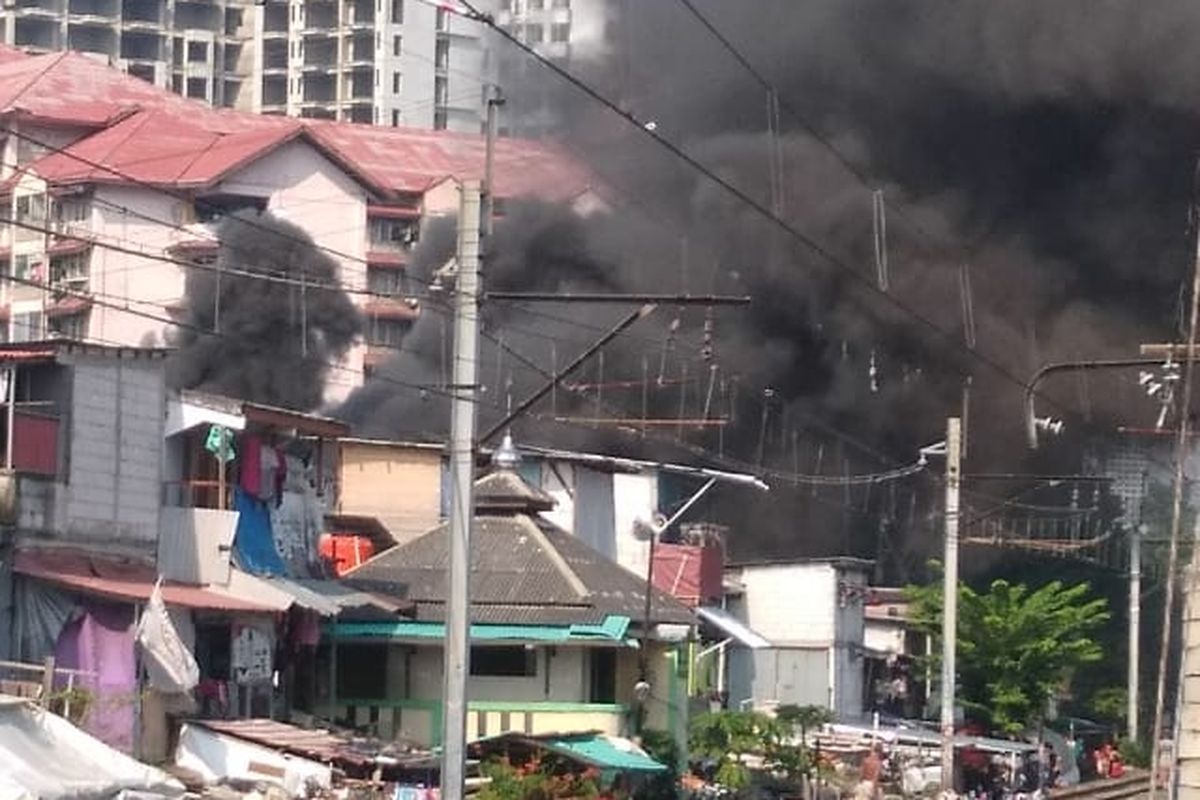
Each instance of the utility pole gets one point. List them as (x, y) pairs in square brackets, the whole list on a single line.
[(950, 597), (462, 482), (494, 101), (1181, 447), (1135, 628)]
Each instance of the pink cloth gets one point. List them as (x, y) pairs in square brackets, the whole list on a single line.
[(101, 642)]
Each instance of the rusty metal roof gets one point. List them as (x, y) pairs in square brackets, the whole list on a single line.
[(123, 579), (148, 134), (358, 756)]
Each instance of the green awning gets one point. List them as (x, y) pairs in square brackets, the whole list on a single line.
[(613, 629), (606, 753)]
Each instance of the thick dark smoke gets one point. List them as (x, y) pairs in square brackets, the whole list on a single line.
[(1050, 147), (277, 340)]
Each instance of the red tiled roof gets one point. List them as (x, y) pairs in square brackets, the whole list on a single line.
[(155, 136), (160, 148), (410, 160), (75, 89), (119, 579)]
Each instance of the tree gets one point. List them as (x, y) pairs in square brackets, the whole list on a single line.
[(805, 718), (725, 737), (1016, 648)]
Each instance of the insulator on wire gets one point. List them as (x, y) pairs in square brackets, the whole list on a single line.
[(706, 349)]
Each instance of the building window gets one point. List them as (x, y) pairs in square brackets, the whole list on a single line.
[(27, 327), (71, 326), (197, 52), (72, 210), (504, 662), (536, 5), (439, 119), (441, 54), (377, 78), (534, 34), (397, 45), (401, 232), (443, 19), (562, 3), (387, 332), (440, 91), (506, 5), (70, 272), (395, 83), (560, 32), (398, 12), (23, 266), (31, 208), (395, 118), (603, 671), (389, 282)]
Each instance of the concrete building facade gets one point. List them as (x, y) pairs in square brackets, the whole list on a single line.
[(398, 63)]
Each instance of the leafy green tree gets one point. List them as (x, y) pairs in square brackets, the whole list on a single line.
[(803, 719), (1016, 647), (726, 737)]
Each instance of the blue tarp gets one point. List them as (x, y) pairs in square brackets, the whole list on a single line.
[(253, 542)]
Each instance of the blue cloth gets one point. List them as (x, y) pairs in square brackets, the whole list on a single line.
[(254, 541)]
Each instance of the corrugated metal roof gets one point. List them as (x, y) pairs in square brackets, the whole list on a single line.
[(121, 579), (326, 597), (159, 137), (357, 754), (726, 622), (519, 562), (535, 614)]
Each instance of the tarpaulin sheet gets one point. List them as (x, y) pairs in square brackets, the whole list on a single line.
[(100, 644), (253, 541), (32, 739), (39, 613)]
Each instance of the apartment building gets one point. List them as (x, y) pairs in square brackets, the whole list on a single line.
[(110, 204), (398, 63), (203, 49), (388, 62)]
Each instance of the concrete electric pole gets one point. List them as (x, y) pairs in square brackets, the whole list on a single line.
[(950, 597), (463, 389)]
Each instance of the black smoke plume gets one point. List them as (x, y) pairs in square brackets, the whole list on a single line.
[(277, 337), (1049, 147)]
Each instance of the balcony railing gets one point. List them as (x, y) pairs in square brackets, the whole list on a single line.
[(421, 720)]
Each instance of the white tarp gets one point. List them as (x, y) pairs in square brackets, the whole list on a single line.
[(216, 756), (45, 757), (170, 665)]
